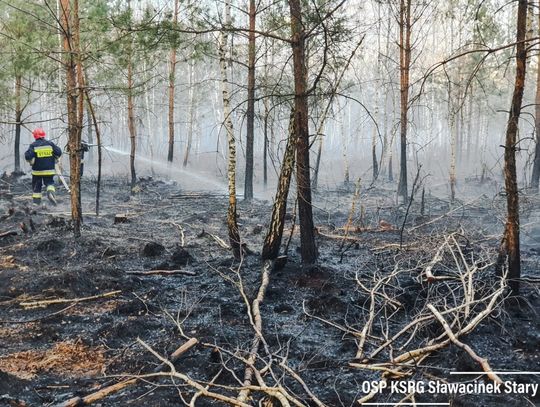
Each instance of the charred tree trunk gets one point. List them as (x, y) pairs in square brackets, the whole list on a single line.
[(234, 234), (272, 241), (404, 65), (172, 76), (90, 132), (18, 119), (510, 241), (92, 116), (535, 177), (70, 25), (308, 248), (248, 183)]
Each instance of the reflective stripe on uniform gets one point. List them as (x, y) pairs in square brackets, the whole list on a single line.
[(51, 188), (43, 151), (36, 195), (43, 172)]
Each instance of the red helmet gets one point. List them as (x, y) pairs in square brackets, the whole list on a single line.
[(38, 133)]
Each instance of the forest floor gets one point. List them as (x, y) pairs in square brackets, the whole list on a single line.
[(326, 328)]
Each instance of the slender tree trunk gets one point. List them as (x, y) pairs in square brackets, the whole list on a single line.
[(234, 234), (92, 116), (404, 64), (308, 248), (272, 241), (131, 122), (265, 147), (510, 242), (322, 122), (469, 126), (18, 118), (535, 177), (390, 168), (374, 162), (191, 113), (148, 109), (345, 155), (172, 76), (454, 107), (453, 140), (266, 103), (81, 86), (315, 181), (71, 58), (90, 132), (320, 135), (344, 146), (248, 183), (390, 157)]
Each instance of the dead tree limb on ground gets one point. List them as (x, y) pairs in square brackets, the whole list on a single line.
[(483, 362), (256, 321), (46, 303), (162, 272), (115, 388), (216, 238)]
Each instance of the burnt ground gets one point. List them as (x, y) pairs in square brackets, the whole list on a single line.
[(312, 317)]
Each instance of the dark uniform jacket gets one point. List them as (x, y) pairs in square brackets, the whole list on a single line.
[(42, 154)]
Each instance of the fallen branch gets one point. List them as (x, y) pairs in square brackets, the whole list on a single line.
[(8, 233), (296, 377), (392, 372), (436, 259), (161, 272), (187, 379), (37, 319), (257, 325), (178, 352), (218, 240), (199, 393), (106, 391), (46, 303), (98, 395), (482, 361), (338, 237), (371, 394), (182, 235)]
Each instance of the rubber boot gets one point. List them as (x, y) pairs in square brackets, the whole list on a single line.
[(36, 199), (51, 194)]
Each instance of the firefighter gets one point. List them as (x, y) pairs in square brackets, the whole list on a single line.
[(42, 156)]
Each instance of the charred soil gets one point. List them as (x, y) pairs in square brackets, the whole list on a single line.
[(325, 323)]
